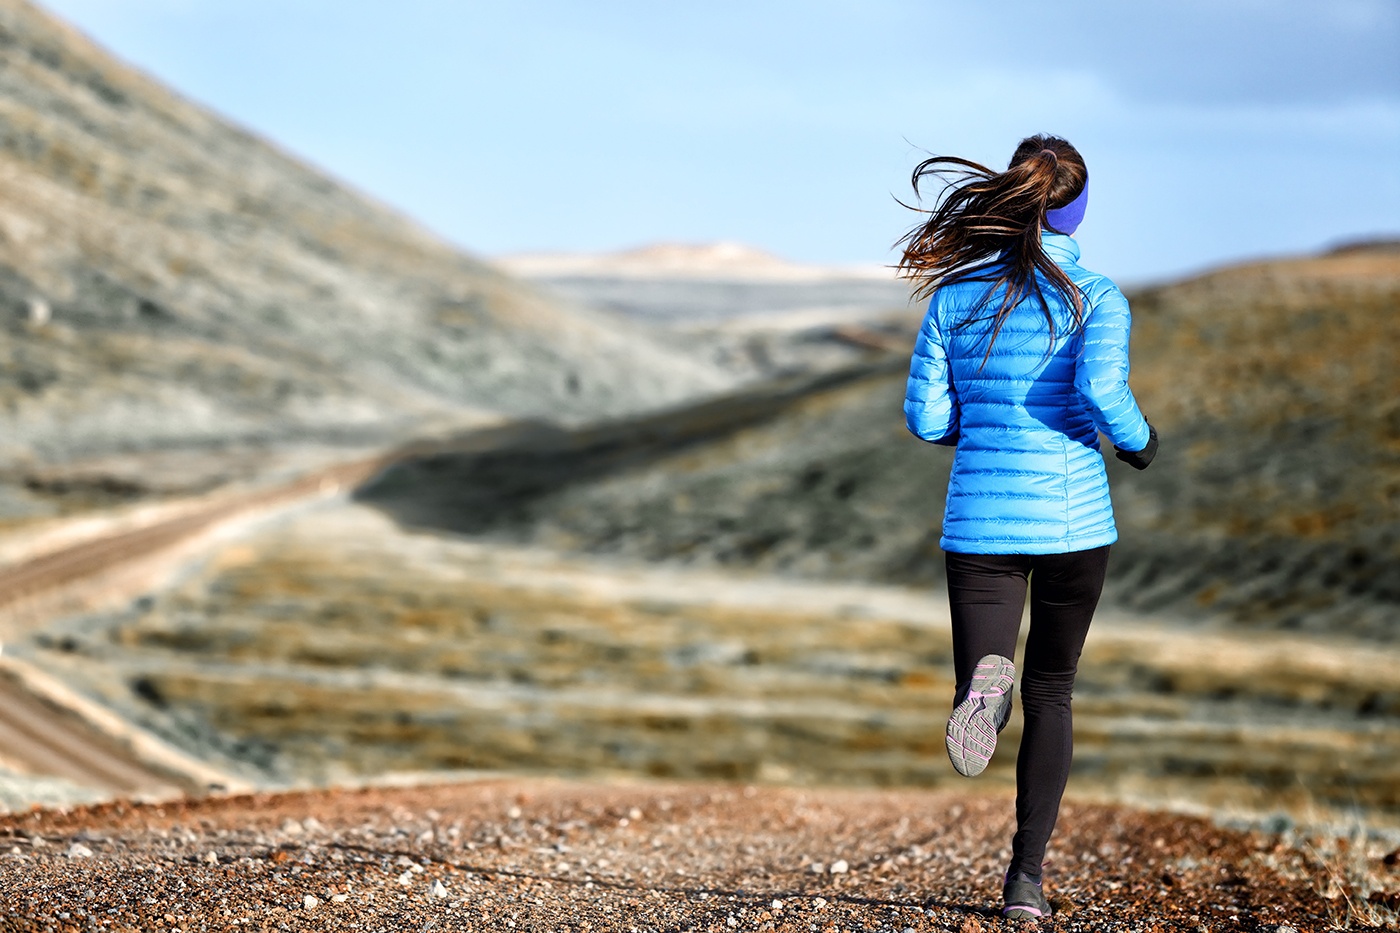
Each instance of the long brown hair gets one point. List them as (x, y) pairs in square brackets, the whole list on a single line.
[(985, 226)]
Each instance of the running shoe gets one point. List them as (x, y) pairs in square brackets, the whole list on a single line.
[(981, 713), (1023, 899)]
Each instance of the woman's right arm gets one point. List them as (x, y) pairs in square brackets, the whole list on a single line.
[(930, 402), (1101, 374)]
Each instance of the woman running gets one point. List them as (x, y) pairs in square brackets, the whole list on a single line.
[(1021, 362)]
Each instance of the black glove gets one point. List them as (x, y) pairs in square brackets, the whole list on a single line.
[(1139, 459)]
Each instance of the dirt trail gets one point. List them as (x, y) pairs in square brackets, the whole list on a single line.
[(534, 855), (78, 561), (50, 741), (47, 729)]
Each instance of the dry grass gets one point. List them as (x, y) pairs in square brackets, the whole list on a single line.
[(336, 644)]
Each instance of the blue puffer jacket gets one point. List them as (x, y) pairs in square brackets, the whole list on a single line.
[(1028, 477)]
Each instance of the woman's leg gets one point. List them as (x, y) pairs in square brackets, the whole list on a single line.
[(1065, 590), (987, 594)]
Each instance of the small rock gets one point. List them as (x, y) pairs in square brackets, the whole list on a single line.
[(819, 903), (406, 878), (732, 921), (777, 905), (439, 890), (292, 827), (817, 868), (78, 850), (839, 867), (40, 312), (634, 814), (513, 813), (212, 858), (312, 825), (340, 898), (310, 902)]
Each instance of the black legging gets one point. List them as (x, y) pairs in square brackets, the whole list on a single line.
[(988, 595)]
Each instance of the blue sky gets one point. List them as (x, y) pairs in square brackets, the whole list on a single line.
[(1214, 129)]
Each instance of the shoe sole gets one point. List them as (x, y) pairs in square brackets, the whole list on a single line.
[(972, 729), (1022, 913)]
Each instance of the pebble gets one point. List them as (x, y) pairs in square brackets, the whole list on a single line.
[(819, 903), (310, 902), (840, 867), (439, 890), (340, 898), (777, 905), (513, 813), (78, 850), (817, 868), (406, 878), (292, 827)]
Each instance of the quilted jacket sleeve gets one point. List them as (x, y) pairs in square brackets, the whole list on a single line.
[(1101, 372), (930, 403)]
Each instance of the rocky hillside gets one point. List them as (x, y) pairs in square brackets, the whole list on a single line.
[(168, 280), (1274, 501)]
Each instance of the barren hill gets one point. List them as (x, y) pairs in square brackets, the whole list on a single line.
[(1274, 500), (169, 280)]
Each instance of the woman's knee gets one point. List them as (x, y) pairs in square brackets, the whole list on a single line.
[(1046, 690)]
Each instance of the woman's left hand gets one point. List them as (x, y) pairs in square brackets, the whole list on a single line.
[(1139, 459)]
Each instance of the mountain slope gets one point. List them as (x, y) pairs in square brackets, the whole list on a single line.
[(1274, 500), (167, 279)]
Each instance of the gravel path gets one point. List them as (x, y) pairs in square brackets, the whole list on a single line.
[(549, 855)]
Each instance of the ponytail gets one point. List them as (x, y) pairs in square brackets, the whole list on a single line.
[(986, 226)]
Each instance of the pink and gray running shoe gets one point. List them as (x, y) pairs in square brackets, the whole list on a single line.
[(1023, 899), (980, 715)]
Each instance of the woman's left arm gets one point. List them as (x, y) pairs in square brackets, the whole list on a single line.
[(1101, 372), (930, 402)]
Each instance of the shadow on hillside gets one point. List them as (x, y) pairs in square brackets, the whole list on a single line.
[(490, 479)]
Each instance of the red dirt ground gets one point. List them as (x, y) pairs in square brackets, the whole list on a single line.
[(530, 854)]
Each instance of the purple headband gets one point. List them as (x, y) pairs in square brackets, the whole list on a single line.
[(1067, 219)]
